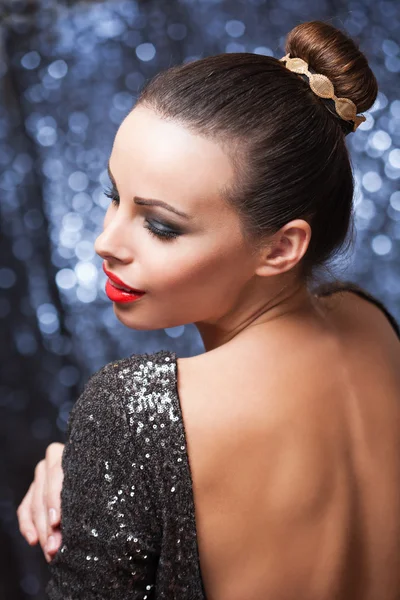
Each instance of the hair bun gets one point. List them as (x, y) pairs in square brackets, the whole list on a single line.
[(332, 53)]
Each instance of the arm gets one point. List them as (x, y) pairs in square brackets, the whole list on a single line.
[(110, 534)]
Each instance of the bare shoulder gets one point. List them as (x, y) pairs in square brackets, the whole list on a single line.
[(289, 365), (258, 405), (290, 387)]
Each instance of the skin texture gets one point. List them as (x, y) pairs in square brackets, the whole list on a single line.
[(291, 429)]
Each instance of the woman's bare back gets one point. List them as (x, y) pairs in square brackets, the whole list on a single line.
[(293, 436)]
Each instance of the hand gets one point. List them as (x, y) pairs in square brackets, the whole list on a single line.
[(39, 514)]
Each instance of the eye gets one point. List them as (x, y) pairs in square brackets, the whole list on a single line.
[(162, 234), (112, 193)]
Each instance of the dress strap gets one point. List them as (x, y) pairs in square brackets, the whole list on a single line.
[(327, 289)]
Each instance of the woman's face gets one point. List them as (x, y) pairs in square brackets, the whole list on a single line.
[(196, 276)]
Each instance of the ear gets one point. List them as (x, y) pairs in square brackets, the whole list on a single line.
[(285, 249)]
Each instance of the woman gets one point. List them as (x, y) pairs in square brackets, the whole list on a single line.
[(269, 466)]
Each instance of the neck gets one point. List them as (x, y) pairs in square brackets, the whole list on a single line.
[(252, 314)]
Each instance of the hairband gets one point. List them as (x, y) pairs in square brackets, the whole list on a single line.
[(323, 87)]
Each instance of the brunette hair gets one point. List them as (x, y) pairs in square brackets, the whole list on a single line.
[(287, 147)]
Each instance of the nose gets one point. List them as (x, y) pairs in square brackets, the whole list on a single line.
[(112, 241)]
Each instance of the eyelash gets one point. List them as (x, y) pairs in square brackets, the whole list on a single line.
[(112, 193)]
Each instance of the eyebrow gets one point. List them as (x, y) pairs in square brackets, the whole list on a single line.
[(150, 201)]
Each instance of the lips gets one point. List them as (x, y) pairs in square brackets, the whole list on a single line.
[(119, 284)]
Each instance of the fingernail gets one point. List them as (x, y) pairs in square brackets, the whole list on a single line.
[(52, 516), (31, 537), (51, 544)]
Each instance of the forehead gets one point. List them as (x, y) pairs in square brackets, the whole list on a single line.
[(168, 159)]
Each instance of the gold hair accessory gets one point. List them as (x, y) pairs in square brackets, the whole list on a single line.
[(323, 87)]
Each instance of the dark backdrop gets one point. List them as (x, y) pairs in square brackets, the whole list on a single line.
[(69, 73)]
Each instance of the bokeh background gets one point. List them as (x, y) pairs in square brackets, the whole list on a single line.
[(69, 73)]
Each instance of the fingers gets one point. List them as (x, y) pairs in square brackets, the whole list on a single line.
[(38, 505), (53, 484), (53, 544), (39, 513), (25, 521)]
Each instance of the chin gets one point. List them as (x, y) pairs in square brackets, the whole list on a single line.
[(124, 315)]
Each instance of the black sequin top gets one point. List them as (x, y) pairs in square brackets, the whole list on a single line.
[(128, 526)]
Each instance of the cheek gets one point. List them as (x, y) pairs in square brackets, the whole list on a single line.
[(183, 270)]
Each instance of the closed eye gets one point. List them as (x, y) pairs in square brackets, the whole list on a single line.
[(163, 234)]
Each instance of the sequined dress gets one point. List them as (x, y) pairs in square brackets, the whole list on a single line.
[(128, 525)]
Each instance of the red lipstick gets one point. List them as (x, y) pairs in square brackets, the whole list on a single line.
[(113, 291)]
